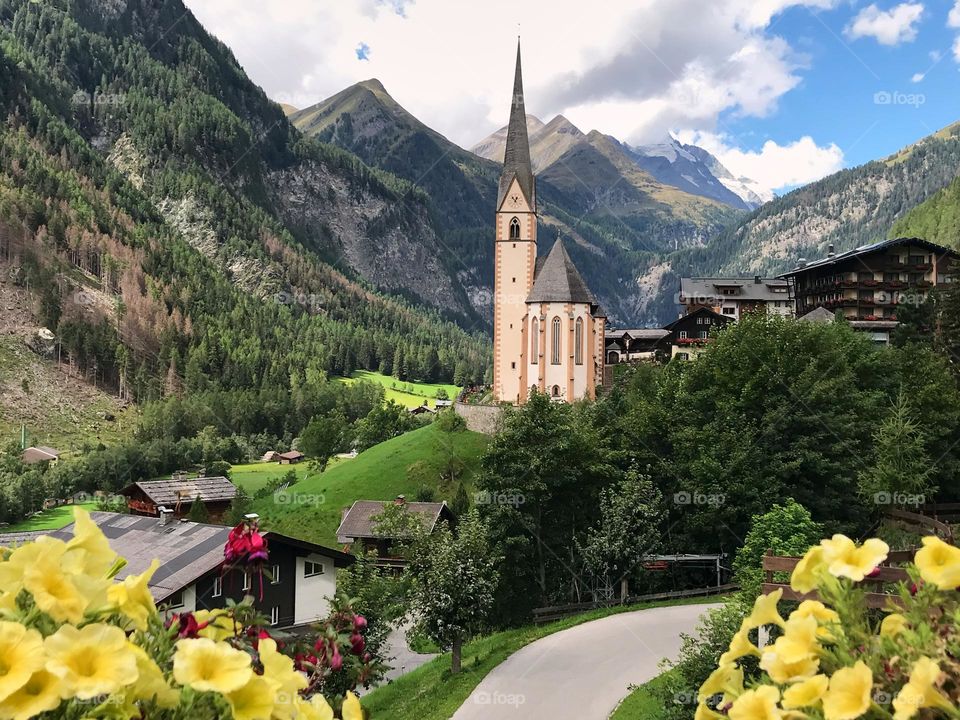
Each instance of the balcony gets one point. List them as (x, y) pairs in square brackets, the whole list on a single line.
[(693, 341)]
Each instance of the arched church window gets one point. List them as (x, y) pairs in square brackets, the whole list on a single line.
[(555, 342), (514, 229), (534, 341), (556, 391), (578, 342)]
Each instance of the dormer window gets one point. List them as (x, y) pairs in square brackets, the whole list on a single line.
[(514, 229)]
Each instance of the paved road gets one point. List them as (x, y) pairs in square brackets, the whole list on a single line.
[(404, 659), (581, 673)]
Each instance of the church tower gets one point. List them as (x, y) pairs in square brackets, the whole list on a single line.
[(515, 255)]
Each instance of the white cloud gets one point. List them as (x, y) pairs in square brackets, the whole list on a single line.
[(917, 77), (774, 166), (888, 27), (637, 69), (956, 49), (953, 19)]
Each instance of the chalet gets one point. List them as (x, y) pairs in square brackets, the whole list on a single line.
[(291, 457), (690, 333), (358, 525), (40, 454), (270, 456), (734, 297), (422, 410), (298, 577), (620, 346), (868, 284), (148, 497)]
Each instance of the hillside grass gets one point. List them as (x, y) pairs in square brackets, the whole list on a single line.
[(431, 692), (253, 476), (311, 509), (403, 392), (642, 703), (52, 519)]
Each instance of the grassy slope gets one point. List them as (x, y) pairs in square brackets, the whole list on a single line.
[(641, 704), (253, 476), (408, 394), (311, 508), (52, 519), (431, 693)]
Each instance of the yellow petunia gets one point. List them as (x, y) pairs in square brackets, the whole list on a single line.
[(21, 655), (254, 700), (132, 597), (726, 679), (828, 620), (845, 560), (921, 691), (805, 693), (740, 646), (705, 713), (220, 624), (892, 625), (206, 665), (89, 548), (42, 692), (151, 685), (791, 659), (849, 693), (807, 573), (95, 660), (765, 611), (278, 669), (757, 704), (351, 709), (316, 708), (939, 563)]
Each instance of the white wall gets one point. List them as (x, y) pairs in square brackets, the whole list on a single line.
[(310, 602), (560, 374)]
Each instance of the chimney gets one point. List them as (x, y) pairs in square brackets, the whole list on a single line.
[(801, 263), (756, 279), (166, 515), (401, 500), (251, 517), (830, 252)]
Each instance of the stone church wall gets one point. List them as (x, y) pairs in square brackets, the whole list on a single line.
[(480, 418)]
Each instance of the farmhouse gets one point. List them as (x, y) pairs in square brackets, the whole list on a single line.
[(292, 457), (358, 525), (176, 495), (620, 346), (298, 576), (40, 454), (690, 333)]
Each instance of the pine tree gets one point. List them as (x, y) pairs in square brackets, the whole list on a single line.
[(461, 501), (198, 511)]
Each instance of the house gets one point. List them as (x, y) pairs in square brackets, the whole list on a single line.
[(291, 457), (620, 346), (270, 456), (40, 454), (869, 283), (147, 497), (690, 333), (298, 577), (442, 403), (735, 296), (421, 410), (358, 523)]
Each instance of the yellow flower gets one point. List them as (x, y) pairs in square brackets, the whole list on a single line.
[(806, 575), (726, 679), (151, 683), (765, 611), (824, 616), (805, 693), (314, 709), (892, 625), (132, 597), (21, 655), (351, 709), (55, 591), (278, 669), (705, 713), (793, 657), (845, 559), (939, 563), (740, 645), (95, 660), (89, 548), (848, 696), (757, 704), (921, 691), (40, 694), (254, 700), (220, 624), (206, 665)]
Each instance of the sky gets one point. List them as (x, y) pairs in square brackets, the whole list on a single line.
[(781, 91)]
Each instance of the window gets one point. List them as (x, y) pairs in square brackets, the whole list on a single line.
[(514, 229), (310, 568), (729, 311), (683, 334), (534, 340), (275, 615), (246, 580), (276, 574), (704, 334), (578, 342), (555, 342), (175, 600), (683, 356), (217, 586), (513, 366), (556, 391)]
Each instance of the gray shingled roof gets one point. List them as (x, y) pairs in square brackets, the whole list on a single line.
[(637, 334), (169, 492), (559, 280), (819, 315), (872, 247), (707, 289), (359, 522), (516, 156)]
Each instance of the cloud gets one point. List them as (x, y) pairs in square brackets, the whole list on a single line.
[(776, 167), (956, 49), (888, 27), (363, 51), (953, 19), (917, 77)]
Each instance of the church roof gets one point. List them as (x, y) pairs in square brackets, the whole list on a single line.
[(558, 280), (516, 156)]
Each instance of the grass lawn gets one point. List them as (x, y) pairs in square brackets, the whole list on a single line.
[(52, 519), (253, 476), (408, 394), (431, 693), (642, 704), (311, 509)]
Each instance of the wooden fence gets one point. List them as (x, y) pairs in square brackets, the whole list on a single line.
[(557, 612)]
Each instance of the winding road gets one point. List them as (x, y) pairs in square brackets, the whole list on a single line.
[(584, 672)]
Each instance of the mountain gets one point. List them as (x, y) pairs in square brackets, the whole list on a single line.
[(750, 191), (178, 234)]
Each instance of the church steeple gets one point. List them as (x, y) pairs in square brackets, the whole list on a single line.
[(516, 156)]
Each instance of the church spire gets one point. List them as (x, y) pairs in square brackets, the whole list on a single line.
[(516, 157)]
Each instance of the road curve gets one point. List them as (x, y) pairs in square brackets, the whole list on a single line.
[(581, 673)]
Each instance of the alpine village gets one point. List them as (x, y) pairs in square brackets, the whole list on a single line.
[(308, 412)]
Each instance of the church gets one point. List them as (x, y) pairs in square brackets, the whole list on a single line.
[(548, 328)]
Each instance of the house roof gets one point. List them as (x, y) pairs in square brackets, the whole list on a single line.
[(637, 334), (186, 550), (169, 492), (291, 455), (358, 521), (559, 280), (870, 248), (707, 289), (819, 315), (39, 453), (698, 311), (516, 155)]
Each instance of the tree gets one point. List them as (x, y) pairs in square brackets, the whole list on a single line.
[(461, 501), (323, 438), (453, 580), (198, 511), (239, 507)]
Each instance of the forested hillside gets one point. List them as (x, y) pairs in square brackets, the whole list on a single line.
[(179, 234), (937, 219)]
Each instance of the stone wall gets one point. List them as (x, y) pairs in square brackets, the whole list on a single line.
[(480, 418)]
